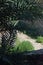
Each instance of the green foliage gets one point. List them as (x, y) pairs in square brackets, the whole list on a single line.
[(25, 46), (19, 9), (11, 10), (40, 39), (22, 46)]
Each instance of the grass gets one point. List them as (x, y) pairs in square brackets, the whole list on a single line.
[(22, 46), (39, 39), (25, 46)]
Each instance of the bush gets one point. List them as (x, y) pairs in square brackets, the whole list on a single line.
[(25, 46), (40, 39), (22, 46)]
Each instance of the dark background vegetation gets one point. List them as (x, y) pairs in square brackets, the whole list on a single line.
[(11, 10)]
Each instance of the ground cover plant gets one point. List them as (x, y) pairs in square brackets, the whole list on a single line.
[(23, 46), (40, 39)]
